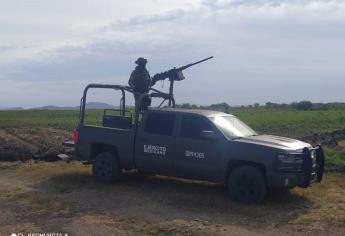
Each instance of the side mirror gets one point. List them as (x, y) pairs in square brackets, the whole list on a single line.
[(207, 134)]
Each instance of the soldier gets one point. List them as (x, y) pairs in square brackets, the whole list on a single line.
[(140, 82)]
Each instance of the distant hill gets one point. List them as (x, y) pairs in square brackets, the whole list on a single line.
[(11, 108), (99, 105), (53, 108), (89, 105)]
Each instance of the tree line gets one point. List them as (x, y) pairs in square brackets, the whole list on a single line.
[(299, 106)]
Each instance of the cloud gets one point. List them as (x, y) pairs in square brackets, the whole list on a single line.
[(62, 93), (151, 19), (264, 50)]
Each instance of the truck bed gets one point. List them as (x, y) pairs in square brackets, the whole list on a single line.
[(95, 137)]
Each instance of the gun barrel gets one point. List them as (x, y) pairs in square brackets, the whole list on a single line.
[(192, 64), (202, 60), (172, 73)]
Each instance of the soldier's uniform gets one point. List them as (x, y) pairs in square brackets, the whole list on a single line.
[(140, 81)]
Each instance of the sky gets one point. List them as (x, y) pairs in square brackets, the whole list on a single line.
[(264, 50)]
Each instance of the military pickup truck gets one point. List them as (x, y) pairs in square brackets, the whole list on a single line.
[(196, 144)]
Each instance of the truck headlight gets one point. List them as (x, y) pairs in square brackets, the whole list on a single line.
[(290, 162), (313, 155)]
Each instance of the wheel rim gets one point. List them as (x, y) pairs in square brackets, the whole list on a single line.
[(104, 168), (246, 187)]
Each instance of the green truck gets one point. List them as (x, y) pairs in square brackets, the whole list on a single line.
[(195, 144)]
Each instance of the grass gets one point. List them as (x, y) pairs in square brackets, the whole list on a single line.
[(45, 118), (65, 197), (288, 123), (294, 123), (334, 157)]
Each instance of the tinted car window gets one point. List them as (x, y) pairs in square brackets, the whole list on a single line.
[(192, 126), (160, 123)]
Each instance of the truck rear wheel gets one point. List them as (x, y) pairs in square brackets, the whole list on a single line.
[(247, 184), (106, 168)]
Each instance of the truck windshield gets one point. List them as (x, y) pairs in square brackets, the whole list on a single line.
[(232, 127)]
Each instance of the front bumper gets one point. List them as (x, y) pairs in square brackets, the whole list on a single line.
[(312, 171)]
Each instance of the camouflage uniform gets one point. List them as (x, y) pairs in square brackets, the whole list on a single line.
[(140, 80)]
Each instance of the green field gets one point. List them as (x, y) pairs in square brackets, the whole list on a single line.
[(45, 118), (286, 123), (296, 124)]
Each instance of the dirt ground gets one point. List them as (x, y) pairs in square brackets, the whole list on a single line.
[(32, 143), (39, 196), (62, 197), (330, 139)]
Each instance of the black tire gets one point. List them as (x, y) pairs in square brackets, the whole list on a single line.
[(106, 168), (247, 184)]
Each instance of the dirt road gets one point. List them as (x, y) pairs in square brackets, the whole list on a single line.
[(61, 197)]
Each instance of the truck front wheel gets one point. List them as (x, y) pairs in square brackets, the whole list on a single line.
[(247, 184), (106, 168)]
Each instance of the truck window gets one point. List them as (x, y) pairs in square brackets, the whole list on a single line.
[(192, 126), (160, 123)]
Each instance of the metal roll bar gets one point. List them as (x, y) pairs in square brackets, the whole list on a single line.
[(154, 94)]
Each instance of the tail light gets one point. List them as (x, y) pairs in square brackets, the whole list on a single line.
[(75, 136)]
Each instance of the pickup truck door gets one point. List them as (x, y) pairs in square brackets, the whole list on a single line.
[(197, 157), (155, 143)]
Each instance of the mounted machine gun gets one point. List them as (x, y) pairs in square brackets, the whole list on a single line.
[(174, 74)]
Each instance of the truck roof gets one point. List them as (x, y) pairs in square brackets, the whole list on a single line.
[(207, 113)]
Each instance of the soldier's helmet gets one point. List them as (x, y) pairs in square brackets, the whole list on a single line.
[(141, 61)]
